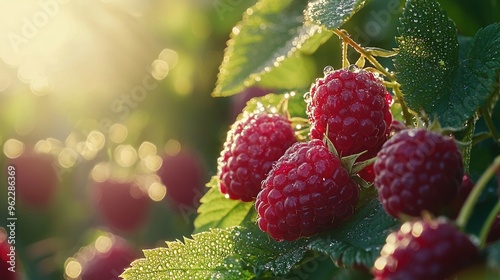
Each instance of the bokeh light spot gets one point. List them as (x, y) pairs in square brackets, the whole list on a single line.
[(118, 133), (96, 140), (125, 155), (157, 191), (159, 69), (153, 162), (172, 147), (72, 268), (13, 148), (67, 157), (43, 146), (146, 149), (103, 244), (169, 56), (100, 172)]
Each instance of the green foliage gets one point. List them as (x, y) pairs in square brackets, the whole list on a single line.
[(202, 257), (447, 76), (430, 72), (358, 242), (229, 252), (270, 32), (216, 211), (333, 13)]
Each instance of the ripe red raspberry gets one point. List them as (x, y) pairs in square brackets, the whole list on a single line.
[(355, 108), (306, 191), (106, 258), (121, 204), (463, 192), (184, 176), (422, 249), (417, 170), (36, 179), (253, 144)]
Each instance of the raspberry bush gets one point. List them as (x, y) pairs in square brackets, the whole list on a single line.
[(316, 214)]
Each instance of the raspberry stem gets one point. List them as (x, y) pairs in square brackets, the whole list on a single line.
[(466, 211), (483, 235), (346, 40)]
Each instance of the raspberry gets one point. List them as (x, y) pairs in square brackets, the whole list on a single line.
[(306, 191), (417, 170), (184, 175), (122, 205), (463, 192), (253, 144), (494, 232), (354, 106), (423, 249), (36, 179), (106, 258)]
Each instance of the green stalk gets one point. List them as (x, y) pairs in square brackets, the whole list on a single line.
[(485, 230), (346, 39), (466, 211)]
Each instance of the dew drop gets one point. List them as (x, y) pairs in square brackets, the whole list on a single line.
[(328, 69), (307, 97), (353, 68)]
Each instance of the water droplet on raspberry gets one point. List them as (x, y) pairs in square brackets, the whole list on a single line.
[(307, 97), (353, 68), (328, 69)]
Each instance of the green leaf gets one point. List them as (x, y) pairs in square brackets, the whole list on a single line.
[(437, 75), (270, 32), (264, 253), (358, 241), (296, 103), (295, 72), (428, 55), (202, 257), (477, 77), (217, 211), (333, 13)]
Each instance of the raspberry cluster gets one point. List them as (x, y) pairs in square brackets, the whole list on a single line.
[(303, 188)]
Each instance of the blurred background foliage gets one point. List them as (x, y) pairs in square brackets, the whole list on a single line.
[(112, 88)]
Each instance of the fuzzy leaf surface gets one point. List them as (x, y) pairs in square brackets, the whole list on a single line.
[(359, 240), (270, 32), (428, 55), (437, 75), (333, 13), (202, 257), (217, 211)]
